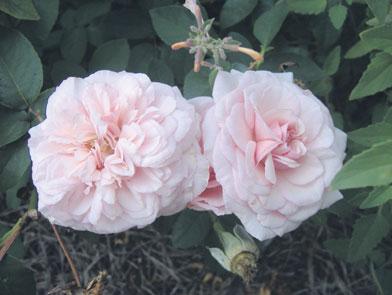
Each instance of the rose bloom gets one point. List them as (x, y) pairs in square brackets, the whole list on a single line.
[(116, 151), (274, 150), (211, 198)]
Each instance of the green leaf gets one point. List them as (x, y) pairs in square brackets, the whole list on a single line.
[(332, 61), (15, 160), (172, 23), (378, 38), (190, 229), (48, 10), (337, 15), (180, 62), (17, 249), (372, 134), (68, 19), (197, 84), (372, 167), (39, 106), (388, 116), (377, 197), (368, 232), (376, 78), (236, 57), (15, 279), (304, 68), (149, 4), (112, 55), (62, 69), (339, 247), (13, 125), (357, 50), (20, 9), (307, 6), (130, 24), (159, 71), (140, 57), (21, 74), (233, 11), (91, 10), (12, 199), (380, 8), (269, 23), (74, 44)]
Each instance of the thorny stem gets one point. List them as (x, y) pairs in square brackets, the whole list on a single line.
[(66, 253)]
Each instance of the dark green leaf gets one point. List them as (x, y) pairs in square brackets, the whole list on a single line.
[(140, 57), (233, 11), (15, 160), (62, 69), (359, 49), (15, 279), (13, 125), (159, 71), (268, 24), (48, 10), (112, 55), (181, 62), (376, 78), (377, 197), (21, 9), (368, 232), (196, 84), (91, 10), (307, 6), (388, 116), (20, 70), (339, 247), (39, 106), (304, 68), (172, 23), (337, 15), (236, 57), (380, 8), (74, 44), (149, 4), (378, 38), (372, 134), (128, 24), (68, 19), (190, 229), (332, 62), (12, 199), (372, 167)]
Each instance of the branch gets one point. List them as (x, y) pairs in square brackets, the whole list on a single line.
[(69, 259)]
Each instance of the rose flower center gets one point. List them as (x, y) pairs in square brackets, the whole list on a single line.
[(281, 148)]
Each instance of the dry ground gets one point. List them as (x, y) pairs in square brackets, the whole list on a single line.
[(144, 262)]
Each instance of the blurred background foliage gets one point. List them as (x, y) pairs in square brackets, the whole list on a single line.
[(340, 49)]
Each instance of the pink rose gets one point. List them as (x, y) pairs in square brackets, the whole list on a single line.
[(116, 151), (211, 198), (274, 150)]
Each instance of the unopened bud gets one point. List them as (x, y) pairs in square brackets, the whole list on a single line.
[(239, 254)]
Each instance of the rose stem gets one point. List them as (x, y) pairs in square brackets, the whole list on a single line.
[(69, 259)]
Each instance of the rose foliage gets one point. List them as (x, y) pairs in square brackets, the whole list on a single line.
[(103, 127)]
